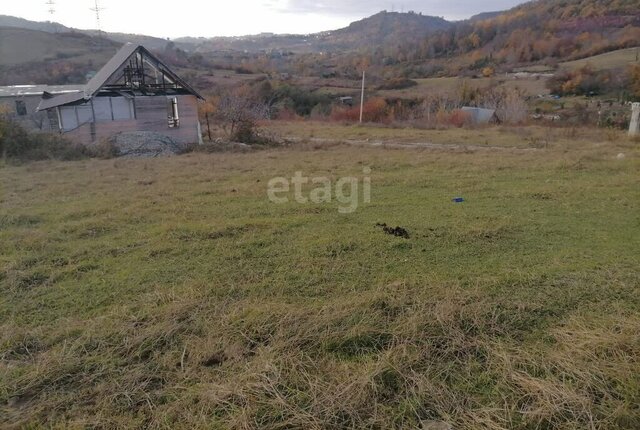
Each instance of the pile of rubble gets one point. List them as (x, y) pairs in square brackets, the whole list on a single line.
[(144, 144)]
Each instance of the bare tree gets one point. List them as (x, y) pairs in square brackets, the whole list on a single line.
[(510, 104), (240, 115)]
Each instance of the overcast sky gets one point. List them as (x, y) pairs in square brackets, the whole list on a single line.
[(167, 18)]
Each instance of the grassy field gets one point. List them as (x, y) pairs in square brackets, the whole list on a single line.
[(170, 293), (428, 86), (531, 137), (609, 60)]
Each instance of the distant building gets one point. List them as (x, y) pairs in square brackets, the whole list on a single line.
[(481, 116), (21, 102), (347, 100), (133, 92)]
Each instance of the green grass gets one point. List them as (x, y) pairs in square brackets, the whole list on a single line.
[(430, 86), (170, 293), (609, 60), (524, 138)]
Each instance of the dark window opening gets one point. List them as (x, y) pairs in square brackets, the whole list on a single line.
[(172, 113), (21, 108)]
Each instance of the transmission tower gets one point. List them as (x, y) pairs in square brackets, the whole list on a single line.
[(51, 4), (97, 9)]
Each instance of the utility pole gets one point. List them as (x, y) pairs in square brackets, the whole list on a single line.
[(208, 126), (362, 97)]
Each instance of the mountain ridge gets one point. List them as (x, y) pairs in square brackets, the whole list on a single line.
[(369, 30), (392, 44), (362, 33)]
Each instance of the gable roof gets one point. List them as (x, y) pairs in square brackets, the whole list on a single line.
[(110, 68), (109, 71)]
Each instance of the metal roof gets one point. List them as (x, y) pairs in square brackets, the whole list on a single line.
[(110, 68), (480, 115), (60, 100), (38, 90), (103, 76)]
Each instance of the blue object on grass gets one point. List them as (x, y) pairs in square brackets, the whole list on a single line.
[(458, 200)]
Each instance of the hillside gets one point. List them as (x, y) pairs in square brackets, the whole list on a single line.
[(538, 32), (37, 57), (382, 28), (408, 45), (20, 46), (149, 42), (51, 27), (609, 60), (56, 28), (485, 15), (253, 43)]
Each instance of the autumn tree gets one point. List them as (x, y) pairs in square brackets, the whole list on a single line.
[(239, 112)]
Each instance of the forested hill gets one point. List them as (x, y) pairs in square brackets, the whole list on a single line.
[(408, 45), (379, 29), (538, 31), (383, 28)]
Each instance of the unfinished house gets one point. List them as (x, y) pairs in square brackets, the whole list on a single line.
[(133, 92)]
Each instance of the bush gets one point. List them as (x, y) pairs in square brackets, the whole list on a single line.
[(242, 71), (17, 143), (239, 111), (397, 84), (456, 118), (239, 114), (54, 146), (510, 104), (584, 81), (374, 110), (299, 100)]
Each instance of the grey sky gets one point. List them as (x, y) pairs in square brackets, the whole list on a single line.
[(450, 9), (235, 17)]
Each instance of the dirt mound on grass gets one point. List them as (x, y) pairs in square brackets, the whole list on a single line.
[(145, 144), (397, 231)]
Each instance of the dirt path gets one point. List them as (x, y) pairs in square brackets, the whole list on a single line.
[(420, 145)]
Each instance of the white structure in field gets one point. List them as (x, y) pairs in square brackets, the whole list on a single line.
[(634, 127), (133, 92)]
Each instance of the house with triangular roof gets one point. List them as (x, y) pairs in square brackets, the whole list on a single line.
[(135, 91)]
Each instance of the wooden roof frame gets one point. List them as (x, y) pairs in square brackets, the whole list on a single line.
[(110, 70)]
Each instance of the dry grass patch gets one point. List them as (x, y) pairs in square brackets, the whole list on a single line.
[(170, 293)]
